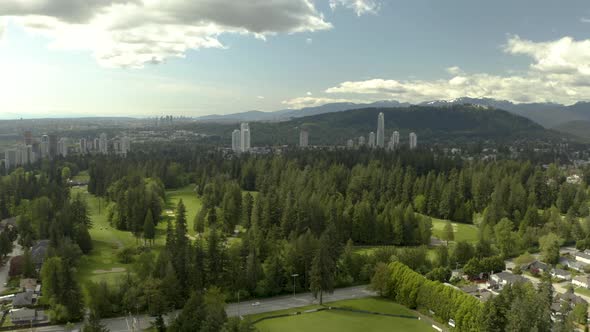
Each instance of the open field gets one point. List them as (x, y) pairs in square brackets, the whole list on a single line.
[(463, 232), (342, 321)]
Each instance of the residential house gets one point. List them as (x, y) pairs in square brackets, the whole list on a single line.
[(39, 252), (8, 223), (28, 284), (23, 299), (583, 256), (561, 274), (582, 281), (572, 264), (535, 267), (502, 279), (26, 316)]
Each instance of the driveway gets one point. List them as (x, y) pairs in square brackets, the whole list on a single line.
[(16, 251)]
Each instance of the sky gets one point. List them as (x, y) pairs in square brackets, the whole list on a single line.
[(154, 57)]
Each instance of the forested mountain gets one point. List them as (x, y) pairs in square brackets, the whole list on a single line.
[(577, 128), (448, 124), (546, 114)]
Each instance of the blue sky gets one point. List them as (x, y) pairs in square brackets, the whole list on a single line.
[(145, 58)]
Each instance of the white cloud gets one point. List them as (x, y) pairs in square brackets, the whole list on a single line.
[(309, 41), (308, 93), (360, 7), (133, 33), (260, 97), (585, 20), (559, 72), (302, 102)]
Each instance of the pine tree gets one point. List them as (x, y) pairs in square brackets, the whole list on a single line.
[(322, 270), (149, 229)]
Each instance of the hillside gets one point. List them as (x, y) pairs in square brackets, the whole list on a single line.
[(580, 129), (449, 124)]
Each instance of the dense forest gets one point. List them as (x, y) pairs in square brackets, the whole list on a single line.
[(264, 218)]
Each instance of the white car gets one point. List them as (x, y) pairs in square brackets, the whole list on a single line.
[(255, 304)]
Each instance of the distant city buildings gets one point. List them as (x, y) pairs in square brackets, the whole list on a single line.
[(236, 146), (350, 144), (371, 139), (240, 139), (103, 147), (381, 130), (303, 138), (362, 141), (50, 146), (413, 141), (394, 142)]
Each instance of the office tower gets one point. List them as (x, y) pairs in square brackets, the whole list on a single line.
[(125, 145), (96, 144), (10, 159), (235, 141), (103, 144), (62, 147), (245, 137), (381, 130), (31, 156), (350, 144), (361, 140), (44, 147), (413, 141), (303, 138), (52, 145), (371, 139), (28, 137), (82, 146)]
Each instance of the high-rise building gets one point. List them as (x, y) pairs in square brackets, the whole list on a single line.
[(44, 146), (303, 138), (28, 137), (371, 139), (381, 130), (235, 141), (245, 137), (10, 159), (350, 144), (103, 144), (62, 147), (125, 145), (82, 146), (394, 142), (413, 141), (361, 140), (52, 145)]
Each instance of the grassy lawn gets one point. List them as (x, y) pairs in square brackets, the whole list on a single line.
[(582, 291), (332, 320), (369, 250), (190, 200), (463, 232), (101, 263)]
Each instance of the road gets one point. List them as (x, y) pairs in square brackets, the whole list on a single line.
[(16, 251), (124, 324)]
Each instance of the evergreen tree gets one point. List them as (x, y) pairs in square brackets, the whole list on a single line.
[(149, 229)]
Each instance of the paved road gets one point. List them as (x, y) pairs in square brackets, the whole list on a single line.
[(16, 251), (124, 324)]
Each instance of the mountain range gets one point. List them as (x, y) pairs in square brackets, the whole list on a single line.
[(446, 124), (549, 115)]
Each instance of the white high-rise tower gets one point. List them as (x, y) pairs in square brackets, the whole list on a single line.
[(394, 142), (235, 140), (381, 130), (413, 141), (245, 137), (103, 144), (371, 139)]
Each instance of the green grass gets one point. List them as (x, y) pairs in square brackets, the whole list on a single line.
[(583, 291), (341, 321), (370, 250), (463, 232), (81, 176), (190, 200), (106, 240)]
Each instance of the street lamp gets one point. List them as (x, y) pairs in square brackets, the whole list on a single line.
[(294, 275)]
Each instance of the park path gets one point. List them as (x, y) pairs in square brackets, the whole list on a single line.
[(17, 250)]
